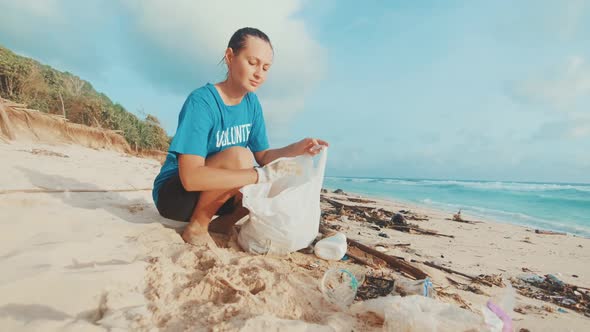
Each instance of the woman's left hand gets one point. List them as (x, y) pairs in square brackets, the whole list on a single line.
[(311, 146)]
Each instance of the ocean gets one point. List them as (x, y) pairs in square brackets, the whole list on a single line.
[(563, 207)]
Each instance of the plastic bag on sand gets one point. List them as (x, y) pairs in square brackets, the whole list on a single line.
[(420, 314), (285, 214)]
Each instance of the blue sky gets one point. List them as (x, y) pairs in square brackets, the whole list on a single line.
[(496, 90)]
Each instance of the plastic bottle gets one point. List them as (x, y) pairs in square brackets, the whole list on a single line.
[(331, 248)]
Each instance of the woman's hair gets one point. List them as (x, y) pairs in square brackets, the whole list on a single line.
[(238, 39)]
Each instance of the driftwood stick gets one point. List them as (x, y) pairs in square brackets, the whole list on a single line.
[(428, 232), (540, 231), (455, 282), (51, 191), (415, 218), (431, 264), (358, 209), (392, 261), (423, 231), (361, 210), (465, 221), (360, 260), (360, 200)]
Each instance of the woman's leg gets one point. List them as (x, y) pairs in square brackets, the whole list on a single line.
[(224, 223), (210, 201)]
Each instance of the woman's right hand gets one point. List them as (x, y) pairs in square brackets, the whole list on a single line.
[(278, 169)]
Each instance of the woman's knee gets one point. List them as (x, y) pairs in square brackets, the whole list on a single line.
[(236, 157)]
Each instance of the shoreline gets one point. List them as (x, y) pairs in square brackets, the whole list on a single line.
[(461, 180), (471, 216)]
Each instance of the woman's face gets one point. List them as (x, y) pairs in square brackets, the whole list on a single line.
[(249, 68)]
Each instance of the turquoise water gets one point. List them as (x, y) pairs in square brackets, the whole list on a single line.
[(554, 206)]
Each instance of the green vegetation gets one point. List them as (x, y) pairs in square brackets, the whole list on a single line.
[(41, 87)]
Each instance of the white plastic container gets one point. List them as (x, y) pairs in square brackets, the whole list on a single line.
[(331, 248)]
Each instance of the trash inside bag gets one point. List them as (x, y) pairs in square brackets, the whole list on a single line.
[(284, 215)]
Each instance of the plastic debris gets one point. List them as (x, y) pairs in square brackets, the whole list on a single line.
[(499, 308), (420, 314), (422, 287), (332, 247), (339, 286), (552, 289)]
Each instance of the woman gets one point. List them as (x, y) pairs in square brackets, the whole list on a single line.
[(220, 133)]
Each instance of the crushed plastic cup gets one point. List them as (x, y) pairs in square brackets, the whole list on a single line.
[(422, 287), (339, 286)]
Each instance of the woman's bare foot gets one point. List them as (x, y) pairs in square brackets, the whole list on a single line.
[(198, 235)]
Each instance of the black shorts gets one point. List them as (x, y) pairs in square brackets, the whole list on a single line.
[(178, 204)]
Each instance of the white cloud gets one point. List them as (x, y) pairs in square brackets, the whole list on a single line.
[(62, 33), (541, 22), (284, 108), (565, 92), (191, 36), (580, 131), (569, 129), (570, 19), (176, 46), (45, 8), (560, 89)]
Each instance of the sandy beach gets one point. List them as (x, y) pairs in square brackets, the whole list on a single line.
[(84, 249)]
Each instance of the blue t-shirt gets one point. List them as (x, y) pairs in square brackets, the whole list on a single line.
[(206, 125)]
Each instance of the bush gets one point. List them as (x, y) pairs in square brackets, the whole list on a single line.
[(41, 87)]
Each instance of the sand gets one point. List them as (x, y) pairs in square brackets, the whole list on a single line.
[(95, 261)]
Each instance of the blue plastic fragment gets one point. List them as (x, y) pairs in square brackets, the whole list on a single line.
[(427, 287), (555, 280), (531, 278)]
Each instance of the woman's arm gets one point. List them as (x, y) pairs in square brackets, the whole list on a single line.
[(268, 156), (306, 145), (195, 176)]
